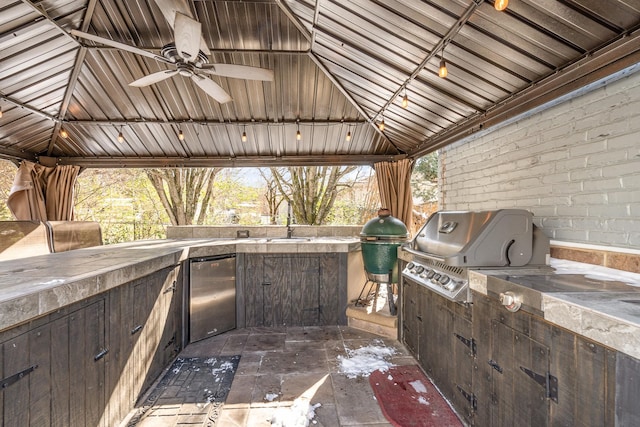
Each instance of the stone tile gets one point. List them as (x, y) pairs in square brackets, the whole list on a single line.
[(266, 385), (355, 401), (250, 363), (233, 417), (326, 416), (265, 342), (235, 344), (241, 391), (316, 386), (260, 417)]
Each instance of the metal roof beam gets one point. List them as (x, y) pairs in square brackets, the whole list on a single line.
[(226, 162)]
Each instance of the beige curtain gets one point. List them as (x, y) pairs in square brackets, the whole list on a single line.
[(43, 193), (394, 185)]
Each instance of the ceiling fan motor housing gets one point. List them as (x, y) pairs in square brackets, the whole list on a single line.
[(170, 52)]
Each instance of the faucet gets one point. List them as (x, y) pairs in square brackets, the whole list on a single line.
[(289, 229)]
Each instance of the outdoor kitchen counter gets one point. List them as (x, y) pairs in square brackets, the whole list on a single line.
[(32, 287), (599, 308)]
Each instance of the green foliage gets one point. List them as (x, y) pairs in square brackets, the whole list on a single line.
[(424, 178), (7, 173)]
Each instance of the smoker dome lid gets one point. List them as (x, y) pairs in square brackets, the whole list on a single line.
[(384, 225)]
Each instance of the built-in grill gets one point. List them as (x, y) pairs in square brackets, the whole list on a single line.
[(452, 242)]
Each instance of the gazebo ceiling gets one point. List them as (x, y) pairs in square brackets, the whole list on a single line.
[(340, 67)]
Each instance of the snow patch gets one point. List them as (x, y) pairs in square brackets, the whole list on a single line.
[(596, 272), (418, 386), (365, 360), (299, 414)]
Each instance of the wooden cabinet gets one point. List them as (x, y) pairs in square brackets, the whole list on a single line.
[(438, 333), (293, 289), (87, 364), (528, 372), (499, 368)]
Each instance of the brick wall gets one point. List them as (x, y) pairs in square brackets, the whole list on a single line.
[(574, 164)]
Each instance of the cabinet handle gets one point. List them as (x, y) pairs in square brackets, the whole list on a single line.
[(6, 382), (136, 329), (171, 288), (100, 355), (419, 318), (266, 283)]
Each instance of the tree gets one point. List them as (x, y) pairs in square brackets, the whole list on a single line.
[(272, 196), (311, 190), (424, 178), (185, 193), (7, 174)]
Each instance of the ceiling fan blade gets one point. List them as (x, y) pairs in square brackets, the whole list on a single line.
[(212, 88), (239, 71), (118, 45), (171, 8), (154, 78), (187, 35)]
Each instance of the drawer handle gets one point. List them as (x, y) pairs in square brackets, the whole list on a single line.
[(136, 329)]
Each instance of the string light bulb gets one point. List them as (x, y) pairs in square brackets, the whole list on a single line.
[(180, 135), (298, 134), (405, 99), (348, 137), (500, 5), (0, 112), (381, 125), (442, 72), (63, 133), (120, 137), (244, 134)]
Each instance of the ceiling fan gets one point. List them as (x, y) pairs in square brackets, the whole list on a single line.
[(187, 55)]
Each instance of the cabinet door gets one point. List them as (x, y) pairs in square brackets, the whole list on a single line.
[(59, 371), (304, 287), (518, 400), (411, 317)]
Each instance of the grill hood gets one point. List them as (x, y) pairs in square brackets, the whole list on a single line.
[(494, 238)]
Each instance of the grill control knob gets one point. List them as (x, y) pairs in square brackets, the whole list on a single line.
[(425, 273), (431, 274), (444, 279), (419, 269), (510, 301), (410, 266), (435, 279)]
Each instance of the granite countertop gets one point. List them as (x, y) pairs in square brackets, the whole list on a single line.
[(596, 302), (31, 287)]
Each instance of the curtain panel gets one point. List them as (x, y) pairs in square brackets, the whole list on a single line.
[(394, 185), (43, 193)]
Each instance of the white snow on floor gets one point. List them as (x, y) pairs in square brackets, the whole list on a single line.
[(596, 272), (298, 415), (418, 386), (363, 361)]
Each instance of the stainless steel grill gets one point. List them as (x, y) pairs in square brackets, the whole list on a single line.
[(451, 242)]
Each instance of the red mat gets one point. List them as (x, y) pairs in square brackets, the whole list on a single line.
[(409, 399)]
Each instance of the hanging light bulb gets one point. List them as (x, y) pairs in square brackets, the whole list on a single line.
[(405, 99), (64, 133), (298, 134), (244, 134), (0, 112), (120, 136), (381, 125), (180, 135), (501, 5), (348, 138), (442, 72)]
